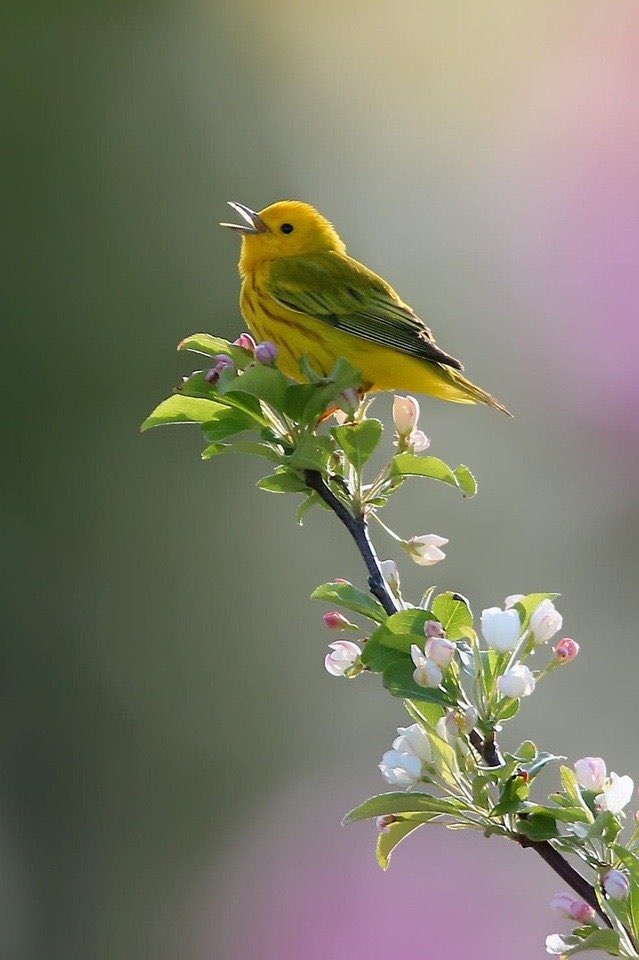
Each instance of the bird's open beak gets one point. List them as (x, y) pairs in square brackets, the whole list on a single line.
[(253, 224)]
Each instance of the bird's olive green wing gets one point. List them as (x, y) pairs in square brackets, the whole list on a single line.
[(340, 291)]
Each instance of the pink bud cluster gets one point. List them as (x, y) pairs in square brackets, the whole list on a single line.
[(222, 362)]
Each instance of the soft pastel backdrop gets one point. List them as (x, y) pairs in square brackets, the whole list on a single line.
[(174, 759)]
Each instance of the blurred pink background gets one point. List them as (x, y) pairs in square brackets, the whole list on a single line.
[(175, 760)]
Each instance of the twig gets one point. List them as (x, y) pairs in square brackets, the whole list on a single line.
[(486, 747), (564, 870), (358, 529)]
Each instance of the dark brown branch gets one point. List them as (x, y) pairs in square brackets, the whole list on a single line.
[(486, 747), (489, 752), (567, 872), (358, 529)]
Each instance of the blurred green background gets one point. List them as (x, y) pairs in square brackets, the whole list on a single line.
[(175, 760)]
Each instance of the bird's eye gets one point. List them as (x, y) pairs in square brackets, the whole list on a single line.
[(287, 228)]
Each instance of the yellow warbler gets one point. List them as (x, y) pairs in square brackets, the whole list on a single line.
[(302, 291)]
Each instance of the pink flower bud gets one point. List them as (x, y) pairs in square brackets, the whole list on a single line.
[(583, 912), (266, 352), (405, 414), (433, 628), (335, 621), (222, 362), (566, 650), (616, 885), (384, 824), (346, 583), (590, 773), (246, 341), (349, 401), (441, 651), (568, 906)]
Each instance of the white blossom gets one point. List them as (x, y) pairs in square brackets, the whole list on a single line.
[(343, 656), (516, 682), (545, 622), (390, 574), (405, 414), (616, 794), (512, 600), (500, 628), (425, 550), (400, 769), (616, 885), (426, 673), (590, 773), (413, 740)]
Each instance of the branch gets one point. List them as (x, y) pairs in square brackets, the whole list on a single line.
[(564, 870), (358, 529), (487, 748)]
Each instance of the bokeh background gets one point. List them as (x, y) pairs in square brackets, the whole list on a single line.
[(174, 759)]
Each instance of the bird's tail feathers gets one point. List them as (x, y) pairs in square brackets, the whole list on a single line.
[(473, 394)]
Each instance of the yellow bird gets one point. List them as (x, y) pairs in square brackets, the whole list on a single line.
[(302, 291)]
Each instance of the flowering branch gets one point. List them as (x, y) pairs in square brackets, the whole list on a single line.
[(460, 681), (487, 748)]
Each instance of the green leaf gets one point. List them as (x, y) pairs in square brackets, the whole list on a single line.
[(529, 604), (359, 440), (538, 826), (526, 751), (509, 710), (311, 501), (466, 481), (348, 596), (260, 449), (541, 760), (397, 677), (404, 803), (573, 792), (633, 907), (427, 713), (227, 423), (297, 398), (283, 482), (564, 814), (606, 826), (342, 377), (196, 386), (411, 465), (214, 450), (568, 946), (388, 839), (394, 638), (210, 346), (178, 409), (513, 794), (313, 453), (453, 612), (260, 381)]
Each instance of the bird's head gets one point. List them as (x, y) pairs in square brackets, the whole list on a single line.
[(287, 228)]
